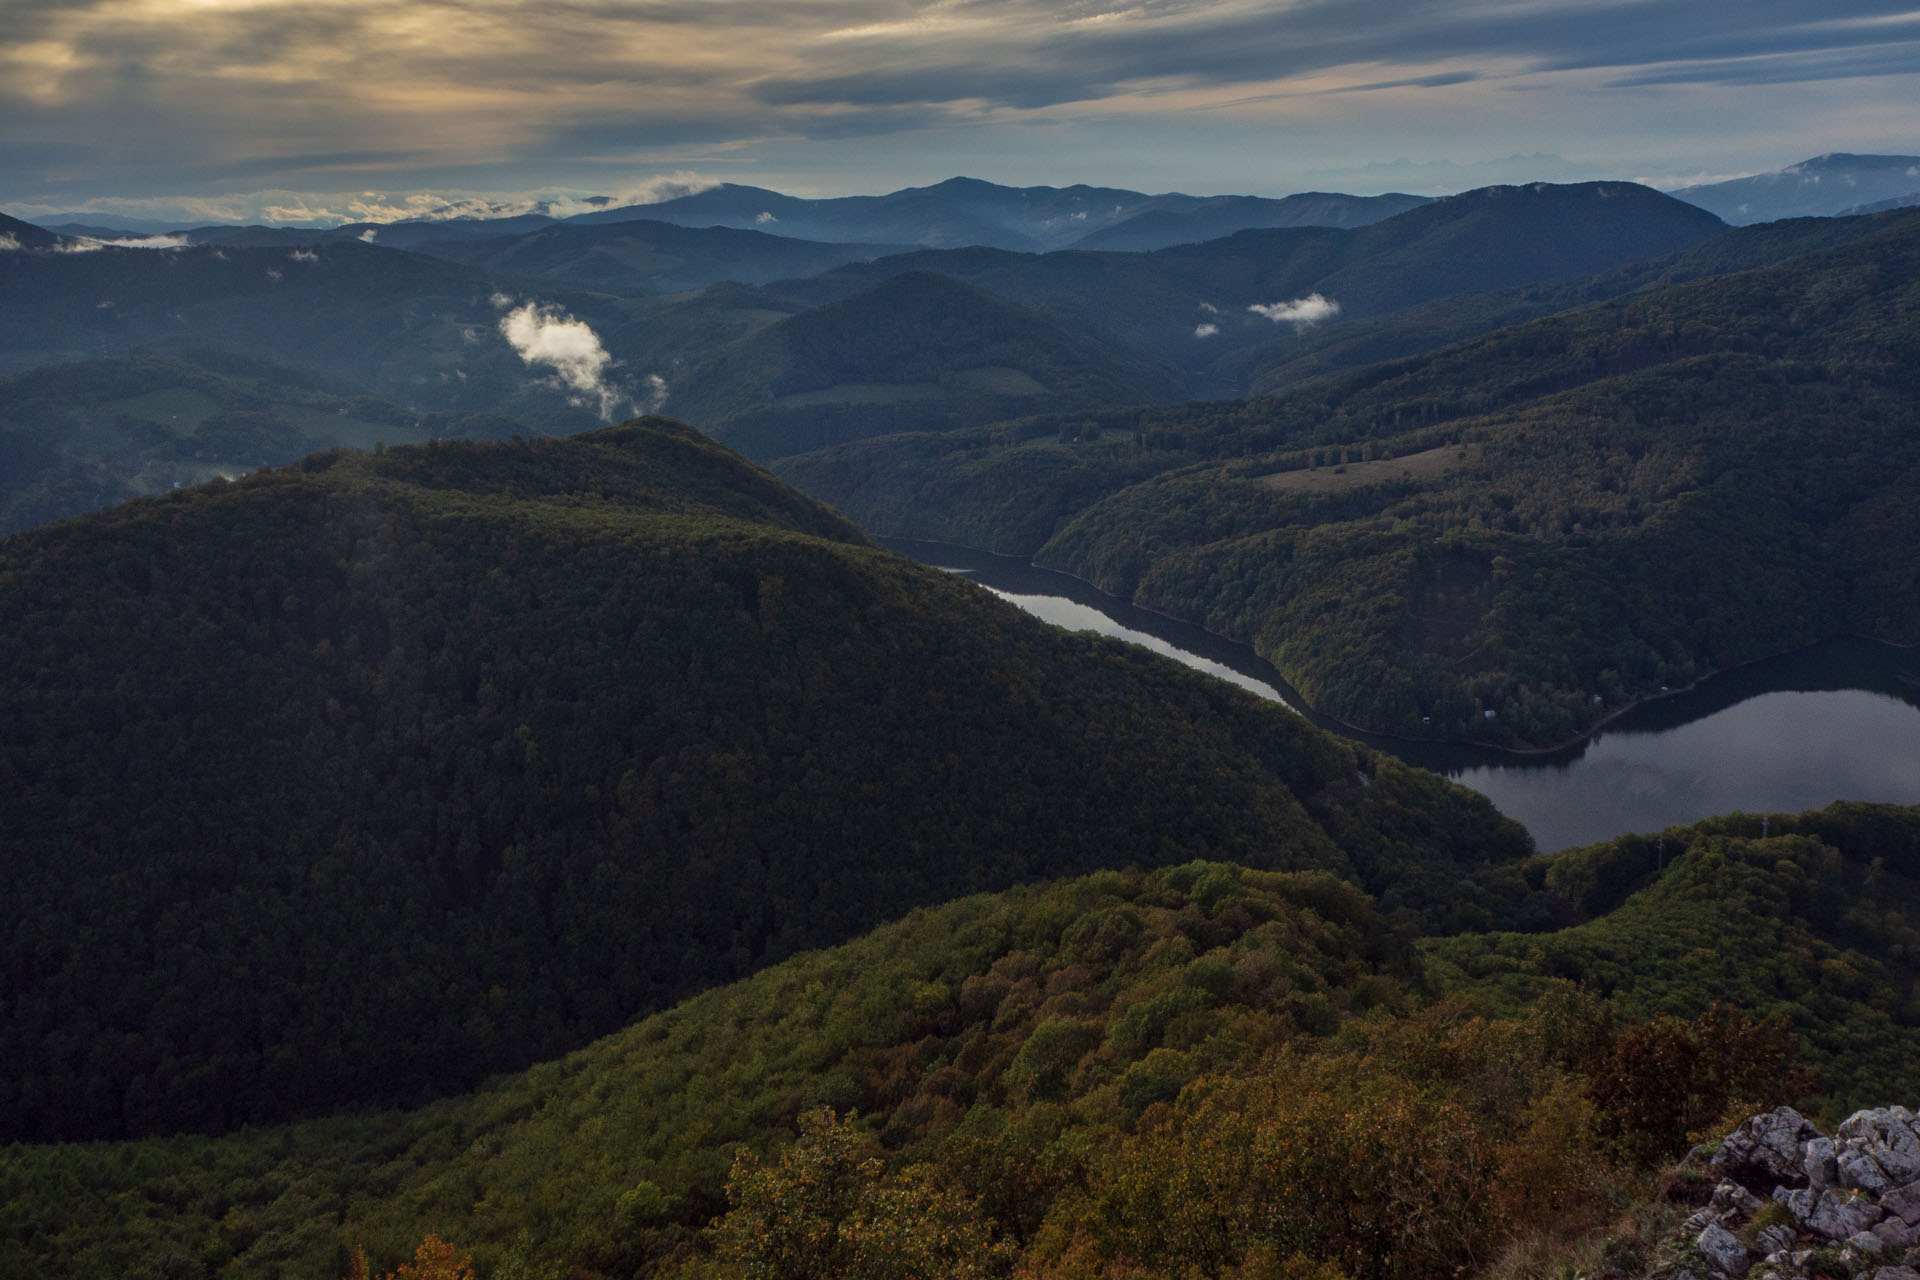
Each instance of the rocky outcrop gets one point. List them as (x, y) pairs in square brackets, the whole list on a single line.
[(1792, 1203)]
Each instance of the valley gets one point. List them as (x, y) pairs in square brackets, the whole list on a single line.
[(1838, 720)]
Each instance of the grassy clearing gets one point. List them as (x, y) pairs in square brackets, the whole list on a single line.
[(1427, 465)]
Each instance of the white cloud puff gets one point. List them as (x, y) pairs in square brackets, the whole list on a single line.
[(546, 335), (1300, 313)]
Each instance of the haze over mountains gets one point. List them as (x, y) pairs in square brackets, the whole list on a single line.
[(1823, 186)]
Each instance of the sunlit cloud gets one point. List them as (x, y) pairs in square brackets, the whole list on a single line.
[(330, 95)]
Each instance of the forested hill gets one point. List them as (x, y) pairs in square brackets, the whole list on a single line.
[(1509, 538), (915, 351), (370, 776), (1190, 1071)]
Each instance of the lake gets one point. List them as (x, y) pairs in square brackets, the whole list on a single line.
[(1839, 721)]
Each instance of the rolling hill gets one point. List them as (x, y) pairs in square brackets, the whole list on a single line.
[(916, 351), (648, 256), (362, 779)]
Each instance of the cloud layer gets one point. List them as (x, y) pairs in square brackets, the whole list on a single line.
[(347, 95)]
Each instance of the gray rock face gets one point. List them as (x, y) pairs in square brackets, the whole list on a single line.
[(1865, 1243), (1724, 1251), (1886, 1136), (1817, 1162), (1896, 1273), (1861, 1172), (1903, 1202), (1834, 1216), (1766, 1150), (1731, 1197), (1775, 1240), (1895, 1233)]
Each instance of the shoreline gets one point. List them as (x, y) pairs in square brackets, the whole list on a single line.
[(1584, 738)]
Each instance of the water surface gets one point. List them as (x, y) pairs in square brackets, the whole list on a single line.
[(1839, 721)]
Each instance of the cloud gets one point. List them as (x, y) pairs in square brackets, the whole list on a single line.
[(546, 335), (344, 97), (764, 217), (656, 398), (366, 237), (8, 242), (1205, 330), (304, 255), (436, 206), (89, 244), (1301, 313)]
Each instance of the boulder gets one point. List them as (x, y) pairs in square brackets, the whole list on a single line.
[(1886, 1136), (1896, 1273), (1866, 1244), (1895, 1233), (1834, 1216), (1817, 1162), (1775, 1240), (1903, 1202), (1765, 1151), (1731, 1197), (1724, 1250), (1861, 1172)]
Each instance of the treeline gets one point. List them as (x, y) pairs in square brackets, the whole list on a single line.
[(363, 779)]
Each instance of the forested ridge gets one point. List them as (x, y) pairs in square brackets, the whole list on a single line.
[(361, 779), (1507, 539), (915, 350), (1201, 1071)]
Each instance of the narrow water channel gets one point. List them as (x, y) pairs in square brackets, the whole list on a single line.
[(1839, 721)]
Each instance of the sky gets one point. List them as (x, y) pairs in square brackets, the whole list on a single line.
[(326, 111)]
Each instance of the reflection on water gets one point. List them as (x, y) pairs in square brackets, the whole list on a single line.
[(1777, 752), (1075, 616), (1840, 721)]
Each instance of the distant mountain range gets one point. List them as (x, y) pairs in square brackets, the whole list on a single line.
[(950, 214), (1821, 187), (650, 256), (1193, 305), (967, 211)]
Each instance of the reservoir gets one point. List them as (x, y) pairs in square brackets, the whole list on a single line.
[(1839, 721)]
